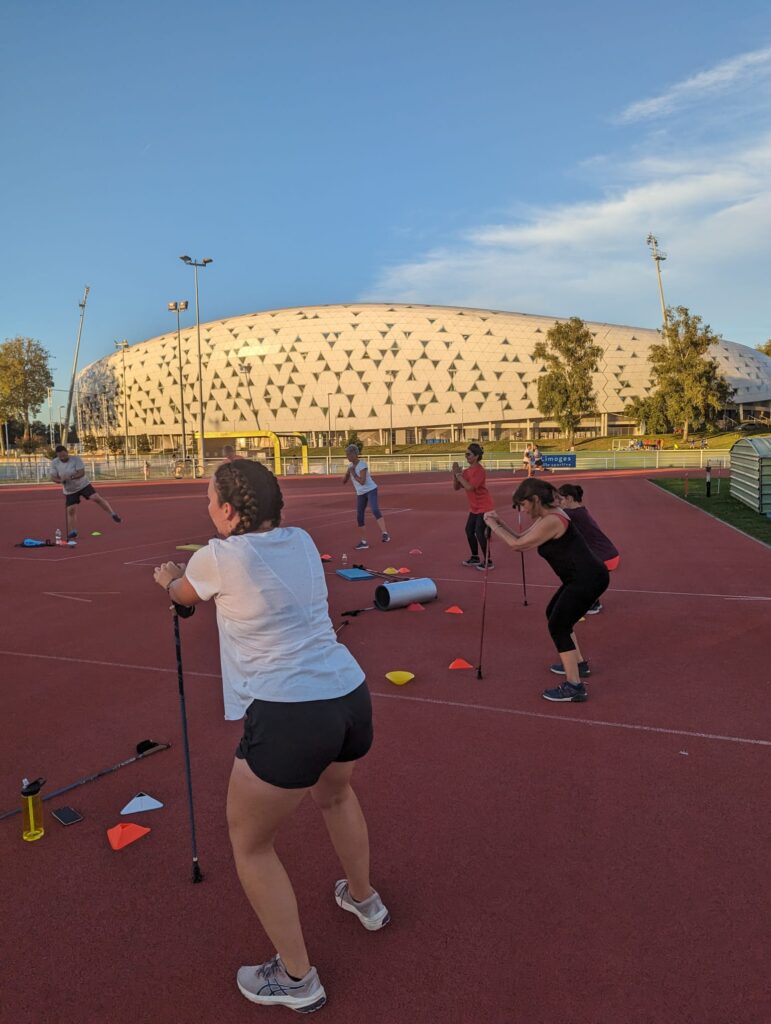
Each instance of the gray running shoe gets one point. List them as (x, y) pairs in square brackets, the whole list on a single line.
[(372, 912), (269, 985)]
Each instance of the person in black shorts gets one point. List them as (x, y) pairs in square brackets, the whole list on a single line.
[(69, 471), (306, 711), (584, 578)]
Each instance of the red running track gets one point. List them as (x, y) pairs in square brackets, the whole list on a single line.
[(583, 864)]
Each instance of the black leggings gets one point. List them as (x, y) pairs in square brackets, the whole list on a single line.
[(477, 533), (567, 606)]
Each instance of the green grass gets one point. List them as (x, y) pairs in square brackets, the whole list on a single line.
[(721, 506)]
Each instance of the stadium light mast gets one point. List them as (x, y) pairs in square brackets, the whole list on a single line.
[(329, 430), (658, 257), (82, 306), (391, 374), (201, 411), (180, 307), (121, 346), (245, 369)]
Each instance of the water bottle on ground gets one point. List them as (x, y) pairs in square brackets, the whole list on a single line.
[(344, 560), (32, 810), (58, 537)]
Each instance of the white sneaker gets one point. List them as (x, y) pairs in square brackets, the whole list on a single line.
[(372, 912)]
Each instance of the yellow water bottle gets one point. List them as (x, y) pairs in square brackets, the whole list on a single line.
[(32, 810)]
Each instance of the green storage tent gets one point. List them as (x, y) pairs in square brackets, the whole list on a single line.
[(751, 472)]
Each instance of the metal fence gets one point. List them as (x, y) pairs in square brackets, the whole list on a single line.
[(665, 459), (30, 469)]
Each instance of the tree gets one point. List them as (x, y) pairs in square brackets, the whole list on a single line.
[(143, 444), (25, 378), (114, 444), (687, 382), (565, 390), (765, 348), (353, 438), (649, 413)]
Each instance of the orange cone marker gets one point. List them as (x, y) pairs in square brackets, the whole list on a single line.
[(460, 663), (415, 607), (326, 558), (453, 610), (125, 834), (415, 551)]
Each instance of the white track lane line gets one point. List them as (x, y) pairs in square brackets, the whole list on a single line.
[(611, 589), (573, 721), (490, 709)]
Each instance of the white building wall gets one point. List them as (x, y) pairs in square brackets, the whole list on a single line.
[(447, 365)]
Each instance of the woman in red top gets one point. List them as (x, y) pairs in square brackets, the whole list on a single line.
[(472, 481)]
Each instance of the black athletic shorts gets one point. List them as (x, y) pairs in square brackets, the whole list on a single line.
[(290, 745), (74, 499)]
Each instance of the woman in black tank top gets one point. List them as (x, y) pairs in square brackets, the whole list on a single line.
[(584, 577)]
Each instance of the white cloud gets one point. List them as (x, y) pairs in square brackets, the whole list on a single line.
[(719, 79), (708, 200)]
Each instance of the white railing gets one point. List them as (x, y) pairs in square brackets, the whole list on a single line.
[(157, 467), (665, 459)]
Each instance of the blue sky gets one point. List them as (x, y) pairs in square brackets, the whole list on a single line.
[(495, 154)]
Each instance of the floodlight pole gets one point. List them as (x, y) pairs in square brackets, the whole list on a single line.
[(246, 370), (391, 375), (180, 307), (658, 257), (122, 346), (82, 305), (329, 430), (201, 412)]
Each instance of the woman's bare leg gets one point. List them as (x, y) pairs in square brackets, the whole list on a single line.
[(255, 811), (346, 825)]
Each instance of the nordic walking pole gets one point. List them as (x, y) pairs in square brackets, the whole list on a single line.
[(186, 612), (144, 749), (522, 556), (484, 602)]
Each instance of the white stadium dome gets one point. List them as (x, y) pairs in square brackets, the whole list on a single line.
[(428, 371)]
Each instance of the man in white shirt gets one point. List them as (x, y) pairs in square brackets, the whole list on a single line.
[(366, 494), (69, 471)]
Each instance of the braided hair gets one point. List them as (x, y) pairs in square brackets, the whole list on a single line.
[(253, 492)]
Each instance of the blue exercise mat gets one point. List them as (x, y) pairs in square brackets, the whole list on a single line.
[(354, 574)]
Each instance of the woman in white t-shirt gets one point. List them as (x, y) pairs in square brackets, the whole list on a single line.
[(306, 709), (366, 494)]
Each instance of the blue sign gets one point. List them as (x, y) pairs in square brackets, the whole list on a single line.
[(559, 461)]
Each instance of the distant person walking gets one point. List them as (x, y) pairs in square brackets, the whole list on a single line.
[(527, 462), (473, 482), (229, 453), (69, 471), (571, 500), (583, 577), (366, 494)]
